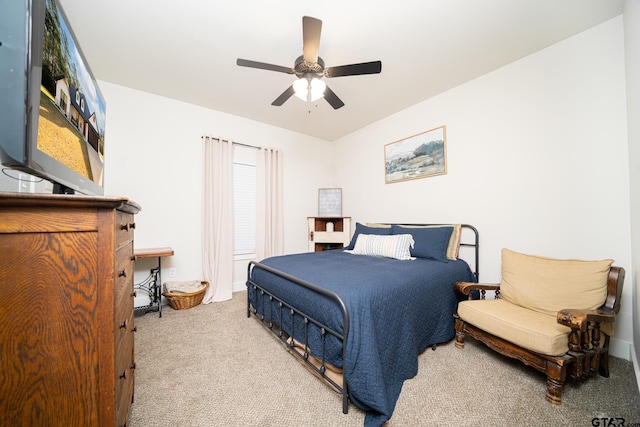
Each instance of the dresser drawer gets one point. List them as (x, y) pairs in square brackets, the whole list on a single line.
[(124, 322), (124, 271), (124, 226), (125, 373), (123, 345)]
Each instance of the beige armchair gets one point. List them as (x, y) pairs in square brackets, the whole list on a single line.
[(553, 315)]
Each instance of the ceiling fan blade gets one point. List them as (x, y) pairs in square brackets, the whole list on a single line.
[(311, 29), (373, 67), (332, 98), (283, 97), (264, 66)]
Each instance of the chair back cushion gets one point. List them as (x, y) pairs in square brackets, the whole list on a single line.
[(548, 285)]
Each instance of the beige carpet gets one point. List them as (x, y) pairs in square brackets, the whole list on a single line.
[(212, 366)]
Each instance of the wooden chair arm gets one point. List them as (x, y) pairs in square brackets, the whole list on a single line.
[(579, 319), (465, 288)]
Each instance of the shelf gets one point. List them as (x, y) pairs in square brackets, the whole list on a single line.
[(320, 239)]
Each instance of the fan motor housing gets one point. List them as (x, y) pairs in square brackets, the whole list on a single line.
[(303, 67)]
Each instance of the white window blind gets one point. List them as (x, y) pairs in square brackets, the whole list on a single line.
[(244, 208)]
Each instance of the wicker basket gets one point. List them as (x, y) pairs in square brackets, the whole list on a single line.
[(184, 300)]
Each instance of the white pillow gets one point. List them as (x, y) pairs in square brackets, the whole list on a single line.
[(395, 246)]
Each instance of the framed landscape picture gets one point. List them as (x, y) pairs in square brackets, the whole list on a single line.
[(418, 156)]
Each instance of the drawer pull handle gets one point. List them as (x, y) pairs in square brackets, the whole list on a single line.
[(123, 325), (132, 225), (135, 329), (124, 227), (123, 375), (133, 365), (134, 294), (122, 273)]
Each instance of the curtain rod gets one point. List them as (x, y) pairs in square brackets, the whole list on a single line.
[(246, 145), (239, 143)]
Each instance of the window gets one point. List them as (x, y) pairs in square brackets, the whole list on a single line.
[(244, 201)]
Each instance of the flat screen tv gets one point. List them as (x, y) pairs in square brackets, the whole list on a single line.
[(52, 113)]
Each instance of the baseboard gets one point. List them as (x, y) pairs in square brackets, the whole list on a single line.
[(636, 366), (621, 349), (239, 286)]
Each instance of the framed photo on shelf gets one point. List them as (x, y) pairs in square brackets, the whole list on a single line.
[(418, 156), (329, 202)]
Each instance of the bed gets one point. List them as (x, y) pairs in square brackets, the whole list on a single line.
[(357, 317)]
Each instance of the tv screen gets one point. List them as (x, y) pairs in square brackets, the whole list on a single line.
[(52, 119)]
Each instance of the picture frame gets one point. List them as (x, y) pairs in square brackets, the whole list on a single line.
[(330, 202), (418, 156)]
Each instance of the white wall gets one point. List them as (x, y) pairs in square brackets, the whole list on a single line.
[(632, 52), (153, 153), (537, 160)]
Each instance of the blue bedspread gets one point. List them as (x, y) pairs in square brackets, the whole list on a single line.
[(397, 309)]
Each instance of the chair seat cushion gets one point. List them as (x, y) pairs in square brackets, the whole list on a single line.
[(529, 329)]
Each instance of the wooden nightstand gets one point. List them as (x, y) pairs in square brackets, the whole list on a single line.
[(322, 237)]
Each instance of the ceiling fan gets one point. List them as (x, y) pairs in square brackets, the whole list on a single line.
[(310, 69)]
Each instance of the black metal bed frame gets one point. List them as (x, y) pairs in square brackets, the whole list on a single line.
[(269, 315)]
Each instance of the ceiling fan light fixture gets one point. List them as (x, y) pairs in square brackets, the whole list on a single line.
[(309, 89), (300, 88), (310, 70)]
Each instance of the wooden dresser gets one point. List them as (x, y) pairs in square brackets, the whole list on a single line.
[(66, 310)]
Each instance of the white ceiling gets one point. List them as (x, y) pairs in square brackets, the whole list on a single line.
[(187, 50)]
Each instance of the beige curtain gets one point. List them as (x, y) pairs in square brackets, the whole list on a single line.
[(217, 217), (269, 217)]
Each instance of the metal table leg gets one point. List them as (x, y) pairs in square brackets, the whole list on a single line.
[(153, 283)]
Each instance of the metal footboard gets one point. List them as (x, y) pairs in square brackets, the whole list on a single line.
[(271, 316)]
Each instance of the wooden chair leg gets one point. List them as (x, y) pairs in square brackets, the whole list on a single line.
[(603, 365), (554, 391), (603, 369), (460, 334), (459, 339), (556, 375)]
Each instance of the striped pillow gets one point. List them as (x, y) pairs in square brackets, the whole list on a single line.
[(396, 246)]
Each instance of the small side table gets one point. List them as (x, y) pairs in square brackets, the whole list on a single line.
[(153, 283)]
